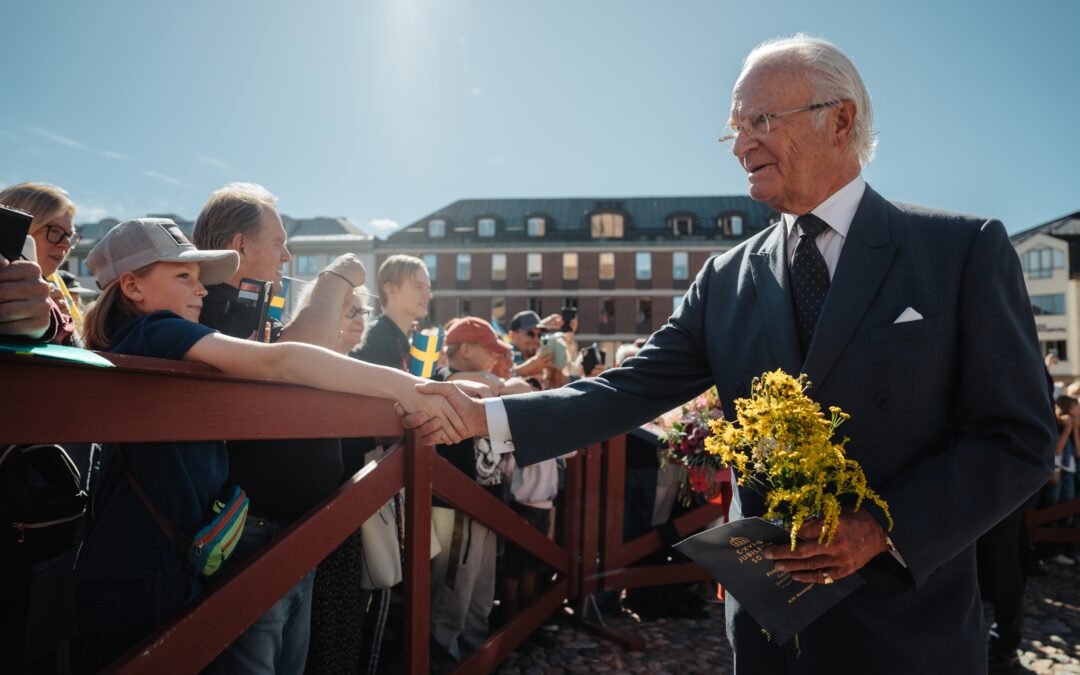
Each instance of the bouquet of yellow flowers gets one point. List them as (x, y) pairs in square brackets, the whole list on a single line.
[(783, 448)]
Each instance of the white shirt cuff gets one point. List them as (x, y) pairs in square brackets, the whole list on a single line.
[(498, 426)]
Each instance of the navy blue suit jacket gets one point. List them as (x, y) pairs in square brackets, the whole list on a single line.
[(950, 417)]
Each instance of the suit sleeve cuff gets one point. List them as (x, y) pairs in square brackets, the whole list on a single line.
[(498, 426)]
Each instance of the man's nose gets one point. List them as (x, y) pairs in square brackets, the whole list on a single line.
[(743, 144), (286, 256)]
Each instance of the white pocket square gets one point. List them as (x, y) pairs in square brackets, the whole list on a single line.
[(907, 315)]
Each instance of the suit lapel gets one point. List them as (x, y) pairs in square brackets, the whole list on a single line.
[(868, 251), (772, 281)]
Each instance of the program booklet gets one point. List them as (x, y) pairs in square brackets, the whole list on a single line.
[(733, 554)]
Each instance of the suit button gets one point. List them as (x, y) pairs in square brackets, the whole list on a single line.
[(883, 401), (740, 389)]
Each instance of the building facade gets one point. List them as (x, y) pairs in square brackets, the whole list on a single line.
[(1050, 257), (625, 264)]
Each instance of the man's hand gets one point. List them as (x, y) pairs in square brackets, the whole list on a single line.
[(24, 304), (470, 410), (536, 365), (597, 370), (350, 267), (857, 540), (552, 322)]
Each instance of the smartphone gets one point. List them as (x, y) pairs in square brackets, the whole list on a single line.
[(255, 293), (568, 315), (14, 225)]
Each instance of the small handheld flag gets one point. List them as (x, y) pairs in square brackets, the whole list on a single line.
[(424, 352), (277, 303)]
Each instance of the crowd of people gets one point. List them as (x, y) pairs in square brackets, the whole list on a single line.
[(140, 510)]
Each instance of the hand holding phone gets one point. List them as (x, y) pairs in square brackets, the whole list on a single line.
[(14, 226)]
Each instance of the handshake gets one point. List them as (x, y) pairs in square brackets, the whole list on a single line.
[(445, 413)]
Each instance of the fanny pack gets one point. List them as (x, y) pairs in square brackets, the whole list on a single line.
[(204, 552)]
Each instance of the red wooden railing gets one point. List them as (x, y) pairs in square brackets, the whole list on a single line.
[(1040, 522), (151, 400)]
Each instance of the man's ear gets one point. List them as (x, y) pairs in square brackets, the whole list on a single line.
[(237, 243), (843, 123), (129, 286)]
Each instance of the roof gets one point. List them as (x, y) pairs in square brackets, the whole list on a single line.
[(568, 218), (1065, 227)]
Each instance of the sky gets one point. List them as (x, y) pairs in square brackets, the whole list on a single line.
[(383, 111)]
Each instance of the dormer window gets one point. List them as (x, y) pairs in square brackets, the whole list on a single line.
[(536, 226), (436, 228), (485, 227), (681, 226), (731, 225), (607, 226)]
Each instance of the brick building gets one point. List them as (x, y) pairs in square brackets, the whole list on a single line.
[(624, 263)]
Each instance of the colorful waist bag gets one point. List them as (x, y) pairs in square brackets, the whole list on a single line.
[(214, 542)]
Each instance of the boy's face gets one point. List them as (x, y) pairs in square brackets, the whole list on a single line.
[(169, 285), (412, 297)]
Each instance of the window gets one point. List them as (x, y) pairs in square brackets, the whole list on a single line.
[(607, 266), (307, 265), (84, 269), (1040, 263), (464, 267), (464, 308), (485, 227), (731, 225), (430, 262), (644, 311), (681, 225), (676, 303), (569, 266), (607, 225), (643, 266), (1048, 304), (680, 265), (534, 267), (1054, 347), (536, 226), (498, 314), (534, 305), (498, 267), (607, 312), (436, 228)]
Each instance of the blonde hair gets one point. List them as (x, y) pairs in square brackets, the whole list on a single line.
[(396, 270), (111, 311), (43, 201), (235, 209)]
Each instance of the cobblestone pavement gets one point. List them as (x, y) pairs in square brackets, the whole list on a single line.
[(1051, 642)]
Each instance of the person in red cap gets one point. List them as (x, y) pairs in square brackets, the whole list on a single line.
[(463, 573)]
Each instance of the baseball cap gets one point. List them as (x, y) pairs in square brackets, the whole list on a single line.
[(137, 243), (474, 330), (525, 320)]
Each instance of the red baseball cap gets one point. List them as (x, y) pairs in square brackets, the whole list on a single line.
[(474, 330)]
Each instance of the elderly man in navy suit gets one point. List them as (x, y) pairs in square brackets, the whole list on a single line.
[(915, 321)]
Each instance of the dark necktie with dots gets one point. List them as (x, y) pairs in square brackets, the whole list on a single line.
[(809, 278)]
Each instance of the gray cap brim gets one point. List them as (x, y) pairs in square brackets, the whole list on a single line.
[(215, 267)]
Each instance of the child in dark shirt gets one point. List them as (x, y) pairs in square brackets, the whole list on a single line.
[(131, 575)]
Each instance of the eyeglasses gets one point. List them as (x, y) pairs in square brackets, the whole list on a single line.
[(54, 234), (354, 310), (761, 124)]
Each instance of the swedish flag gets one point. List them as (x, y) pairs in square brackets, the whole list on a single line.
[(277, 303), (424, 352)]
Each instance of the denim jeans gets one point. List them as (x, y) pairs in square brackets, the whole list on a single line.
[(278, 641)]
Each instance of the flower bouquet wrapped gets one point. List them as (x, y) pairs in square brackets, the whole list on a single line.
[(682, 435), (783, 448)]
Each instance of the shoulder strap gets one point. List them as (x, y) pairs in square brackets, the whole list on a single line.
[(170, 531)]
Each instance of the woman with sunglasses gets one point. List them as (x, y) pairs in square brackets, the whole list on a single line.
[(53, 230)]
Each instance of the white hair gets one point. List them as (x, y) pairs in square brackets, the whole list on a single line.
[(625, 352), (833, 77)]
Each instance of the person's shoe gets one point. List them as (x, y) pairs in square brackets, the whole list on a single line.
[(1062, 559)]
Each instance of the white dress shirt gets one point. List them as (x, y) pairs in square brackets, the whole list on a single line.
[(837, 211)]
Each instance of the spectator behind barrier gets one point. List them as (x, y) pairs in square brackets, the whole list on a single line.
[(404, 292), (131, 574), (54, 234)]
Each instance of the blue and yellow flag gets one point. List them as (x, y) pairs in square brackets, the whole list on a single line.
[(277, 303), (424, 352)]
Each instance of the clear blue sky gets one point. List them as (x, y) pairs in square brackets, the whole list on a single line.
[(388, 109)]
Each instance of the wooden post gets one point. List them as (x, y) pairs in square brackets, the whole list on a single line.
[(614, 462), (417, 554)]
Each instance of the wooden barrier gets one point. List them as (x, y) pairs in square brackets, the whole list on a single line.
[(151, 400), (1040, 523)]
